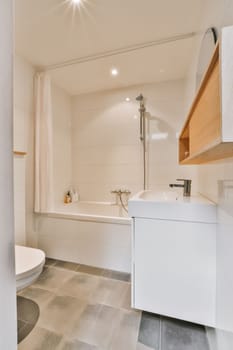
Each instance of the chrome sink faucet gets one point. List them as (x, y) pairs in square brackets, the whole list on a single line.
[(186, 185)]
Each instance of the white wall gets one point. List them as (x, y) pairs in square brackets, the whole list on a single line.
[(24, 142), (20, 199), (216, 182), (7, 269), (107, 152)]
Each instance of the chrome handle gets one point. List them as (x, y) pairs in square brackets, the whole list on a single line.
[(115, 191), (120, 191)]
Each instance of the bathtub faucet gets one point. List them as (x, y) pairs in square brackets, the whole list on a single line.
[(120, 192), (119, 199)]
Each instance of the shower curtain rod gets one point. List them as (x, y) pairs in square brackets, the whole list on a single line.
[(115, 52)]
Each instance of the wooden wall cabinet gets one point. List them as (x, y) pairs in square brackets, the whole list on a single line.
[(207, 134)]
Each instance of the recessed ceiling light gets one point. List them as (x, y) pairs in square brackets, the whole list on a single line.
[(127, 99), (114, 72), (76, 3)]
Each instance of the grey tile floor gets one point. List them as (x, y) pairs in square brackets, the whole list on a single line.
[(86, 308)]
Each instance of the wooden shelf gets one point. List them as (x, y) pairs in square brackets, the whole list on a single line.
[(19, 153), (215, 152), (203, 137)]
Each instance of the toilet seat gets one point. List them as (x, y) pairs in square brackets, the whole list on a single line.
[(29, 264)]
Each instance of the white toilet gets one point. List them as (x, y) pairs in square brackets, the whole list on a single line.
[(29, 265)]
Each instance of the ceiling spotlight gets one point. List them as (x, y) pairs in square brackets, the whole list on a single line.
[(127, 99), (76, 3), (114, 72)]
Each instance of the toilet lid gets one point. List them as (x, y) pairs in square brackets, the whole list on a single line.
[(27, 259)]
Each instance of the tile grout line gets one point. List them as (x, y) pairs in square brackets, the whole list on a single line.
[(88, 273), (160, 332)]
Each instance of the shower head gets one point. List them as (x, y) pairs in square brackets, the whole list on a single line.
[(140, 97)]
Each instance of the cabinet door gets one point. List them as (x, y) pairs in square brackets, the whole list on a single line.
[(174, 269)]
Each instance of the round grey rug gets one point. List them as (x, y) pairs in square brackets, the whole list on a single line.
[(28, 313)]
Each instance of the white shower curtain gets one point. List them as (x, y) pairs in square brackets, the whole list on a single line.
[(43, 144)]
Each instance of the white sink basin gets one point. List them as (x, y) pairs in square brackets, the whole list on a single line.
[(169, 205), (163, 196)]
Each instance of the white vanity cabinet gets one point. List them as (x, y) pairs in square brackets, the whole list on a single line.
[(174, 267)]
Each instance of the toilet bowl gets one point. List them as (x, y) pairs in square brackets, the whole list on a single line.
[(29, 265)]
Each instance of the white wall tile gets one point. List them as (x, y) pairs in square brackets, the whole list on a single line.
[(61, 110), (107, 152)]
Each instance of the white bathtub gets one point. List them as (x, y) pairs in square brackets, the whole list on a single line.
[(90, 233)]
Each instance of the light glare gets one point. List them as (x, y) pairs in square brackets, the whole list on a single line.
[(114, 72), (159, 136)]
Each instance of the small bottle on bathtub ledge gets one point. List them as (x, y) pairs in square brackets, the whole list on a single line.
[(74, 196), (67, 198), (71, 196)]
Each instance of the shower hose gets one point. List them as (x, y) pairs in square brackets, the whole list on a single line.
[(122, 203)]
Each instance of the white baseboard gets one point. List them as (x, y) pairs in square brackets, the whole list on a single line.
[(219, 339)]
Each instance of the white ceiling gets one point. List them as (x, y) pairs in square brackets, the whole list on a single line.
[(49, 32), (153, 64)]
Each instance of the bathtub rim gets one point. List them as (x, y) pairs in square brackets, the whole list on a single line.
[(87, 217)]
